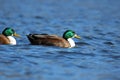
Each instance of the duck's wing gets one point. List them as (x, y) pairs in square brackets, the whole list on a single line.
[(4, 39), (50, 40)]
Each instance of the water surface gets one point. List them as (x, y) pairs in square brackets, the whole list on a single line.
[(95, 57)]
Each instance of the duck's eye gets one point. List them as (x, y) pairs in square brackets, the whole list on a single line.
[(13, 31), (74, 32)]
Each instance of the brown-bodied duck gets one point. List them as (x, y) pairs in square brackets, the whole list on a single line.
[(54, 40), (7, 36)]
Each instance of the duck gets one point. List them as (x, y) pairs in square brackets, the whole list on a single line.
[(6, 37), (53, 40)]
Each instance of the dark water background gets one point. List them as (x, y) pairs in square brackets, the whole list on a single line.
[(96, 57)]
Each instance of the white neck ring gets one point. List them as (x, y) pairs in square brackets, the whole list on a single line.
[(12, 40), (71, 42)]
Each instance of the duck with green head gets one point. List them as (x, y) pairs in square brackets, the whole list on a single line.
[(54, 40), (7, 36)]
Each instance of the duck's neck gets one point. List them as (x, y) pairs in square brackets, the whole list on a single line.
[(71, 42), (12, 40)]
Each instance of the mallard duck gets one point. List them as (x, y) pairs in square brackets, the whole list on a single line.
[(7, 36), (54, 40)]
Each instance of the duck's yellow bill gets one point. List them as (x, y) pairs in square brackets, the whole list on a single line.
[(76, 36), (16, 35)]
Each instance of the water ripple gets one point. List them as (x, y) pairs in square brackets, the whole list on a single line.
[(96, 55)]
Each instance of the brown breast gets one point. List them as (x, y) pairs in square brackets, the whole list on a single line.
[(4, 39)]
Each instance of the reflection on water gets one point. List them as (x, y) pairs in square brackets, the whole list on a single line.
[(96, 56)]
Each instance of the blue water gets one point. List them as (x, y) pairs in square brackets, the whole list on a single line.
[(96, 56)]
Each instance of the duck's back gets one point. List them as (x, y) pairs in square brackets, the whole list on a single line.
[(4, 39), (50, 40)]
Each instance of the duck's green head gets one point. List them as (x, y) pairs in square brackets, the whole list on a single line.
[(70, 34), (10, 32)]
